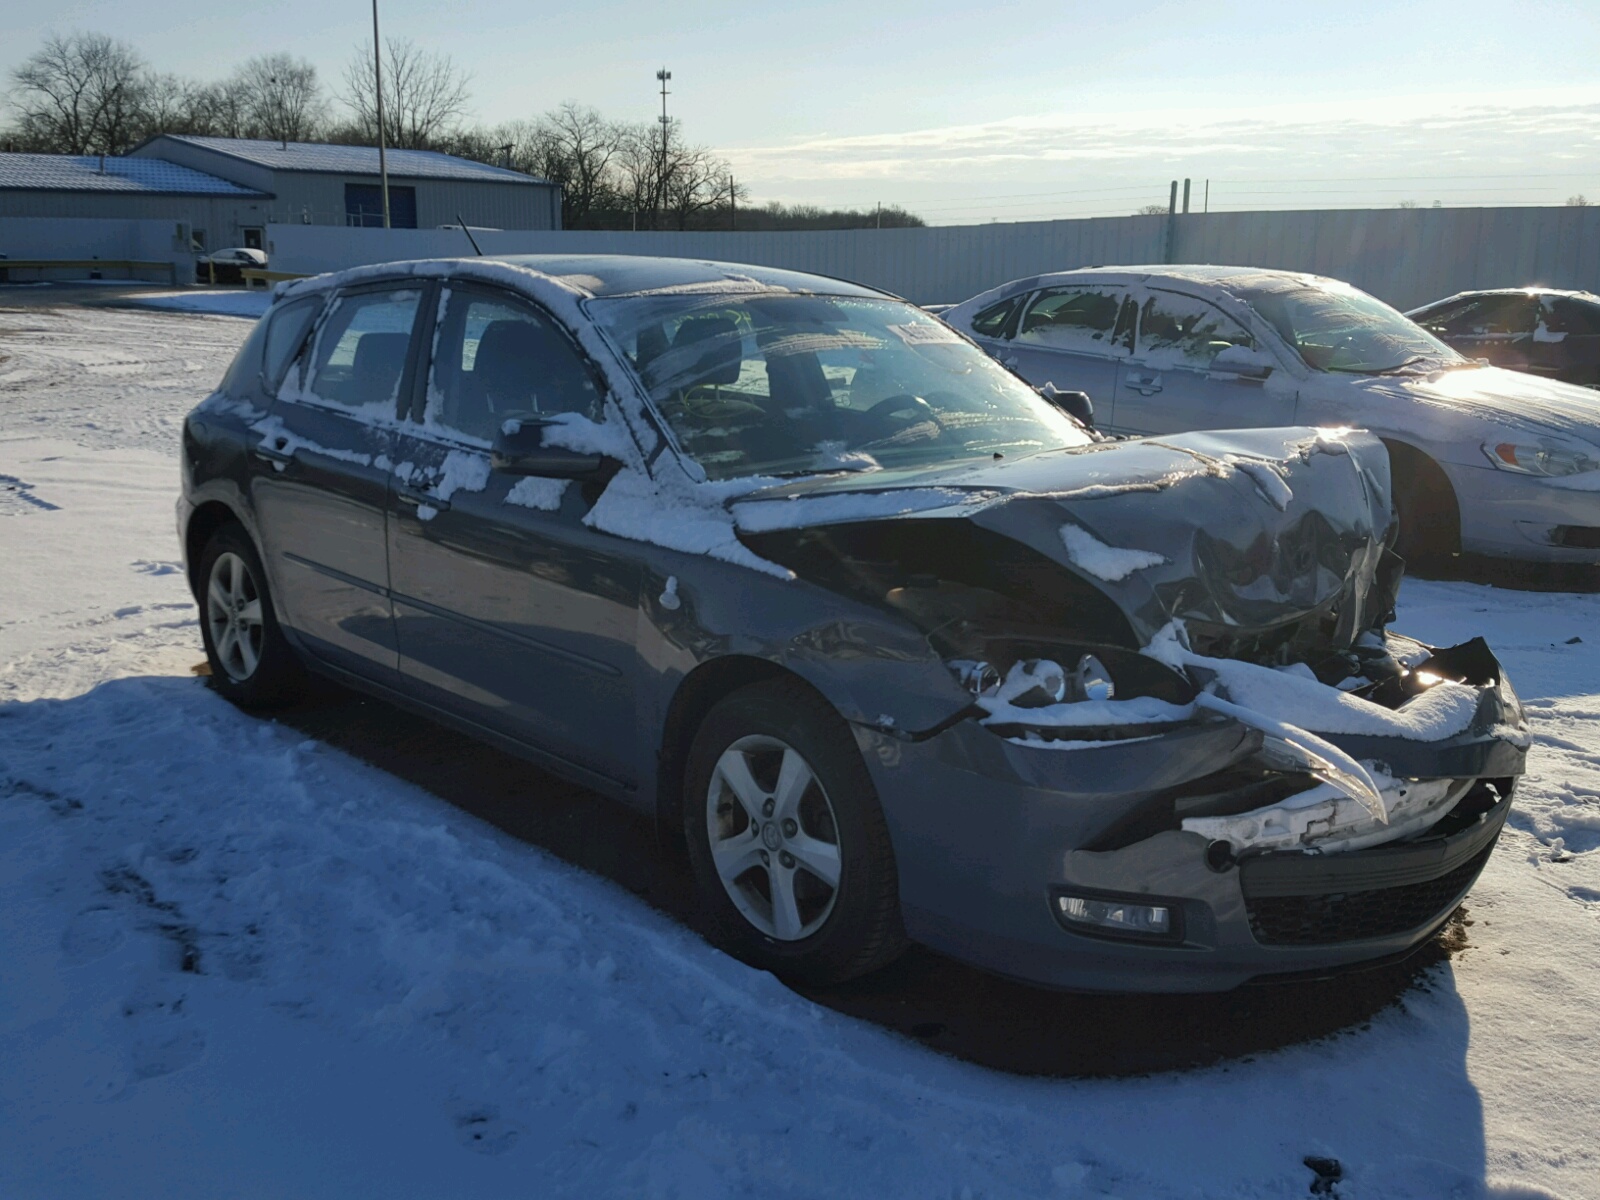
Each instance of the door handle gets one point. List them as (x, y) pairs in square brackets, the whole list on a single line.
[(1145, 385), (421, 500), (275, 454)]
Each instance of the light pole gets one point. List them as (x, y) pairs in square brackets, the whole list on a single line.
[(377, 76), (663, 76)]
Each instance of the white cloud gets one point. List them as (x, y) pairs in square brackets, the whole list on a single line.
[(1395, 140)]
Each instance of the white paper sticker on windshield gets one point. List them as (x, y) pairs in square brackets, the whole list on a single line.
[(925, 333)]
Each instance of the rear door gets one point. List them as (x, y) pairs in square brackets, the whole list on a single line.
[(320, 477), (509, 611), (1076, 338), (1168, 384), (1566, 340)]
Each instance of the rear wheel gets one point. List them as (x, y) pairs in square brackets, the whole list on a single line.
[(251, 662), (1425, 504), (787, 841)]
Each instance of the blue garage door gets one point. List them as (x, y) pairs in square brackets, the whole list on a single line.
[(363, 205)]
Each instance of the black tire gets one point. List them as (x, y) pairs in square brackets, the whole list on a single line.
[(275, 677), (1425, 504), (859, 929)]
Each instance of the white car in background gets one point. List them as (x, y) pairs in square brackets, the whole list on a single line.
[(1485, 460)]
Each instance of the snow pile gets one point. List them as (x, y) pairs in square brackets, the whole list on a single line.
[(1268, 477), (533, 492), (462, 471), (1141, 710), (1442, 711), (1111, 563), (677, 513)]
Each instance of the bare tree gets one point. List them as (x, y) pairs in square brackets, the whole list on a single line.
[(1152, 210), (172, 104), (1578, 201), (79, 94), (698, 181), (283, 97), (225, 108), (576, 147), (425, 96)]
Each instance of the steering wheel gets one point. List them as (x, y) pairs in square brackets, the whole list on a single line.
[(877, 418)]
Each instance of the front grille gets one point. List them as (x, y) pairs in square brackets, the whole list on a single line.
[(1304, 639), (1352, 916)]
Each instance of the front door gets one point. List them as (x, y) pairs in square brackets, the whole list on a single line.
[(320, 479), (508, 609), (1076, 338), (1168, 385), (253, 239)]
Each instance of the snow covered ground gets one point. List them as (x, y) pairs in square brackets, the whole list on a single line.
[(237, 962)]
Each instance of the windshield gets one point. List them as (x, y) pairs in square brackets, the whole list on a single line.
[(796, 384), (1344, 330)]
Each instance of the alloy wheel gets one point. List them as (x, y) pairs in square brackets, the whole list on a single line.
[(234, 617), (774, 838)]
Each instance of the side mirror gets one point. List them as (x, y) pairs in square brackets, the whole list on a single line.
[(1244, 361), (1074, 404), (519, 449)]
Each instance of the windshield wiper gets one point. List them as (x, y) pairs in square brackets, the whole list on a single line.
[(1397, 369)]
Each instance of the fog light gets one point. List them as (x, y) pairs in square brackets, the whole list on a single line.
[(1116, 916)]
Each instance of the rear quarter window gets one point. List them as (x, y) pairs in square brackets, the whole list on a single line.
[(287, 327)]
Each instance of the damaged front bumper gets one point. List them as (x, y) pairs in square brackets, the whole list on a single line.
[(1262, 871)]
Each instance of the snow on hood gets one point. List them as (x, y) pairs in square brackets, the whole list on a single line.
[(1246, 528), (1505, 399)]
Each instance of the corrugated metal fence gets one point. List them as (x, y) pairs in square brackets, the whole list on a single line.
[(1404, 256)]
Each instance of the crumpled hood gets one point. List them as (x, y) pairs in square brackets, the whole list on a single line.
[(1237, 531), (1503, 398)]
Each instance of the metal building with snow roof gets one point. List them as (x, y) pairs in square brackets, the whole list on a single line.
[(78, 186), (314, 183)]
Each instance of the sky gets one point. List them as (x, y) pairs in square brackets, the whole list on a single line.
[(971, 113)]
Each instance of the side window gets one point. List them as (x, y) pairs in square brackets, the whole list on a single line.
[(287, 327), (992, 321), (1081, 319), (1562, 315), (361, 351), (1491, 316), (1439, 321), (1183, 331), (497, 358)]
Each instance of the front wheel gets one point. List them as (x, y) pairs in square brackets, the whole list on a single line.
[(251, 662), (789, 846)]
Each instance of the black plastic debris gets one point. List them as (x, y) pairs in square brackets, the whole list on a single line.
[(1573, 641), (1328, 1172)]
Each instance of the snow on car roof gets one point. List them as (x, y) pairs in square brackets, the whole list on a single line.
[(1541, 292), (604, 275), (628, 275), (91, 173), (1225, 277)]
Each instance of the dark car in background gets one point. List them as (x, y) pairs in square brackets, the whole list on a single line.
[(1539, 330), (896, 648)]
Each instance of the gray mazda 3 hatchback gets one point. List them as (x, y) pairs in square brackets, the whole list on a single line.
[(896, 647)]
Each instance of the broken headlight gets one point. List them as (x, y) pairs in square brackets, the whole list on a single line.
[(1035, 682)]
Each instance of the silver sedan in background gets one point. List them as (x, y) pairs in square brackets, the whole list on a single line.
[(1485, 460)]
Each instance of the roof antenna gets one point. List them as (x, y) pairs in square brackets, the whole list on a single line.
[(468, 232)]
